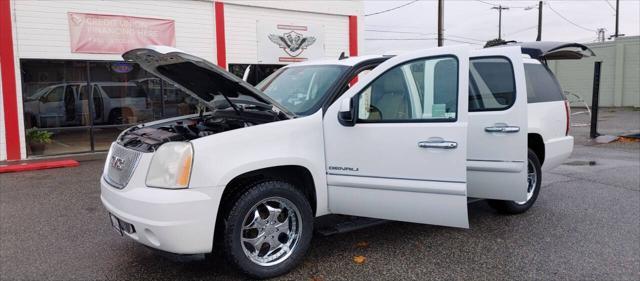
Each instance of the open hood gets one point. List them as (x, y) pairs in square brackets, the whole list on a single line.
[(203, 80), (548, 50)]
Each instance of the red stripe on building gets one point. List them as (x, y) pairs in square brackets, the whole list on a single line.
[(221, 48), (7, 71), (353, 36), (353, 42)]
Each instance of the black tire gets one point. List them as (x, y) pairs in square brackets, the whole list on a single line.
[(512, 207), (236, 218)]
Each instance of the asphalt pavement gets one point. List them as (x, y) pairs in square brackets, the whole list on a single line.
[(584, 226)]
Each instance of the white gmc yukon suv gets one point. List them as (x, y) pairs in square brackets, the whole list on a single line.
[(412, 138)]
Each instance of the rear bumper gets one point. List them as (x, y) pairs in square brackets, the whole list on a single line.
[(557, 151), (174, 221)]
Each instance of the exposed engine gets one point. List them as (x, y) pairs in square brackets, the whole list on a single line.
[(148, 138)]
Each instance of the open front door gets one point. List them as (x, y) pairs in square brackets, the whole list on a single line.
[(497, 160), (396, 142)]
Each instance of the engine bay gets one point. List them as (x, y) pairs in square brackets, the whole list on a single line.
[(147, 138)]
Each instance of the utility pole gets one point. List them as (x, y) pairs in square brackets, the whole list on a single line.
[(617, 18), (440, 21), (539, 38), (500, 8), (617, 34)]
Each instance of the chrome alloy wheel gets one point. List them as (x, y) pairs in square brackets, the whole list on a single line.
[(532, 181), (270, 231)]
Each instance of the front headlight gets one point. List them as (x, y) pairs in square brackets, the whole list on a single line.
[(171, 166)]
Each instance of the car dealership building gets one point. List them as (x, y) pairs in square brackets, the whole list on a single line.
[(65, 88)]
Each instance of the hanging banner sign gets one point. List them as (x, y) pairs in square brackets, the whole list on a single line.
[(285, 43), (109, 34)]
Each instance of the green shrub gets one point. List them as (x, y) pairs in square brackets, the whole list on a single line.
[(38, 136)]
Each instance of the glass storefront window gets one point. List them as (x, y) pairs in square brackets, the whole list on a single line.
[(84, 105), (119, 93), (51, 94), (62, 141), (257, 72)]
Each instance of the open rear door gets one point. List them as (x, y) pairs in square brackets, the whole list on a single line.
[(396, 142), (497, 155), (548, 50)]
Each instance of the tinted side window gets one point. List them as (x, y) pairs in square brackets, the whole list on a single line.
[(422, 90), (542, 86), (55, 95), (491, 84)]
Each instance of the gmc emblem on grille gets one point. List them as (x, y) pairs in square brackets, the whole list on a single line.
[(117, 162)]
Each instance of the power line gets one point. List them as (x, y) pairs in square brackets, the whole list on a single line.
[(393, 31), (461, 41), (485, 2), (419, 39), (521, 30), (391, 9), (512, 7), (610, 6), (568, 20), (422, 33), (467, 38)]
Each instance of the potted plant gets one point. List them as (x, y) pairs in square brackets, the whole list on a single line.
[(37, 139)]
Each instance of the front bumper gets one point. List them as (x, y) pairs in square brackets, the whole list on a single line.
[(175, 221)]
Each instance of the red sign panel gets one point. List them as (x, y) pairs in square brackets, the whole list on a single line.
[(108, 34)]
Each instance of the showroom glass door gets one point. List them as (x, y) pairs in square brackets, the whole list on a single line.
[(75, 106)]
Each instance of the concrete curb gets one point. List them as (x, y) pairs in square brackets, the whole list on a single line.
[(31, 166)]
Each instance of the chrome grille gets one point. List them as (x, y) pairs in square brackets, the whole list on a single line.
[(120, 165)]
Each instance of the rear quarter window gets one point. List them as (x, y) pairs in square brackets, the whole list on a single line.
[(542, 86)]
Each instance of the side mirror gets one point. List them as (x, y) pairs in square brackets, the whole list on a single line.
[(347, 112)]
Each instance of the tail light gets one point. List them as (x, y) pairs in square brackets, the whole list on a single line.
[(567, 110)]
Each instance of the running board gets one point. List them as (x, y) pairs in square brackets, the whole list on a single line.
[(334, 224)]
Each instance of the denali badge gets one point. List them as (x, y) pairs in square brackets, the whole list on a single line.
[(117, 162), (343, 169)]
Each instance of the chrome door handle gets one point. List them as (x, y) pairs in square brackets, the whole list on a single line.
[(438, 144), (502, 129)]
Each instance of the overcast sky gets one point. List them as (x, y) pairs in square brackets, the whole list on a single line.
[(475, 22)]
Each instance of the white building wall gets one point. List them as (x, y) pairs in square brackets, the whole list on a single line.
[(339, 7), (241, 30), (43, 27), (631, 78), (620, 73)]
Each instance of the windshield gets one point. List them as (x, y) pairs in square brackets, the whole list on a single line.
[(301, 89)]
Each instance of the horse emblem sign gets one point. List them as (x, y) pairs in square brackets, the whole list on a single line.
[(293, 43), (284, 43)]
